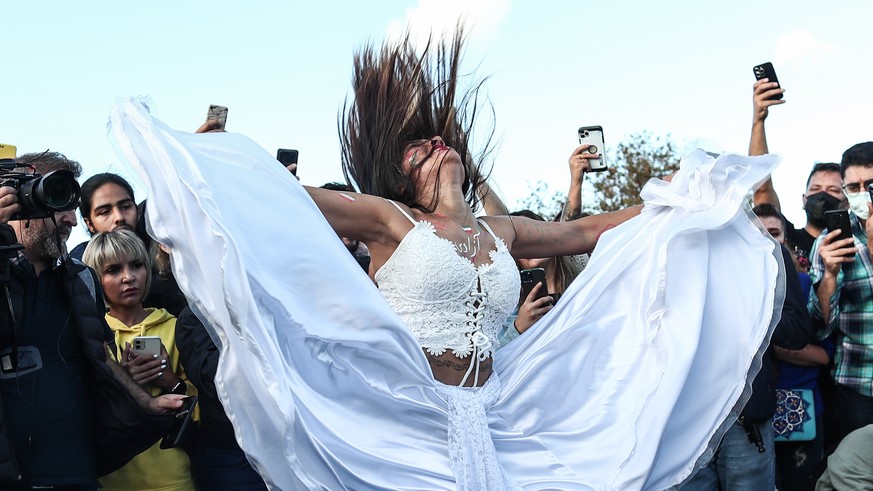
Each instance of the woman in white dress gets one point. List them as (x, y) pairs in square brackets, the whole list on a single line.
[(618, 387)]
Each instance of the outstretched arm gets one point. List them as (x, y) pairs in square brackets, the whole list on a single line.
[(763, 91), (370, 219), (533, 238)]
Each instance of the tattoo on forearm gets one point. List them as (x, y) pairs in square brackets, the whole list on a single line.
[(142, 397)]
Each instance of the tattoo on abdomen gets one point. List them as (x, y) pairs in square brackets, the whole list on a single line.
[(458, 367)]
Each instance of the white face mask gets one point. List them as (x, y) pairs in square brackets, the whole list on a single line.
[(858, 205)]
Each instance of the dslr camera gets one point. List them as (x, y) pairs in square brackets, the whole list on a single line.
[(39, 196)]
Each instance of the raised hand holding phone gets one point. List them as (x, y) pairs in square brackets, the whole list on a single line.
[(592, 136), (766, 70), (219, 114), (288, 158)]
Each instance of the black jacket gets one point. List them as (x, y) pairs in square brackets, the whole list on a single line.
[(794, 331), (199, 356), (122, 429)]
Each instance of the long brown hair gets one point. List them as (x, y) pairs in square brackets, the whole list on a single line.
[(400, 97)]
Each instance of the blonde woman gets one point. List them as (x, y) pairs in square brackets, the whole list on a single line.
[(124, 269)]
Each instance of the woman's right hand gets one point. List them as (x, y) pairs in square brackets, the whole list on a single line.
[(532, 309), (142, 369)]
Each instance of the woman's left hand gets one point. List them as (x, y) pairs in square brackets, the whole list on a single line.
[(167, 379)]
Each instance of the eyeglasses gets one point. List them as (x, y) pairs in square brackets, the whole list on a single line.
[(853, 188)]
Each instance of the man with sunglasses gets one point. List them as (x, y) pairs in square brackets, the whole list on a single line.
[(842, 276)]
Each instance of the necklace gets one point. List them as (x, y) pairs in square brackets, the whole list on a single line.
[(471, 247)]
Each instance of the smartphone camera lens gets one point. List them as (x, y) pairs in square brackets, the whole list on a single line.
[(584, 134)]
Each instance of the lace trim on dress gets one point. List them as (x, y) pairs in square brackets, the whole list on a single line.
[(447, 301)]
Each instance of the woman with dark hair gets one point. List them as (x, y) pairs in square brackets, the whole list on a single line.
[(560, 271), (406, 148), (331, 385)]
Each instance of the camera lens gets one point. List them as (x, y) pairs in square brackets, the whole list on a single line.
[(40, 196), (59, 192)]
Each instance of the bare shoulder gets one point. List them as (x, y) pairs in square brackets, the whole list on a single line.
[(503, 227), (371, 219)]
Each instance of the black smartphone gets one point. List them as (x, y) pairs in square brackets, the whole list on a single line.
[(593, 136), (529, 279), (765, 70), (182, 433), (839, 219), (287, 157), (218, 113)]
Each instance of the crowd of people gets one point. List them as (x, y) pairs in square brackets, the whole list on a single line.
[(83, 408)]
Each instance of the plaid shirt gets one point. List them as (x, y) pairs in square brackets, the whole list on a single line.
[(851, 313)]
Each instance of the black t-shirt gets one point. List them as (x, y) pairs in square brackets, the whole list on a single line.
[(47, 409), (800, 239)]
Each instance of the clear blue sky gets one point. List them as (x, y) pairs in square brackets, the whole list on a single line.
[(283, 69)]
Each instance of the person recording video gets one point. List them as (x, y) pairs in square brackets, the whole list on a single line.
[(68, 408)]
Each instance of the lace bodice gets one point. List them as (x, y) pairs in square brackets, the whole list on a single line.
[(444, 299)]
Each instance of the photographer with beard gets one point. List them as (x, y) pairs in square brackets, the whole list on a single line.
[(824, 187), (69, 413)]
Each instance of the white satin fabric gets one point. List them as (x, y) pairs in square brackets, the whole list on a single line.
[(626, 384)]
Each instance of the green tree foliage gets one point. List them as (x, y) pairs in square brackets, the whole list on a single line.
[(542, 200), (637, 159)]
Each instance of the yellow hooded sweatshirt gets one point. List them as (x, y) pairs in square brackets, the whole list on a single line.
[(154, 469)]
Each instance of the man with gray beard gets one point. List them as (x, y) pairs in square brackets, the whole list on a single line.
[(69, 413)]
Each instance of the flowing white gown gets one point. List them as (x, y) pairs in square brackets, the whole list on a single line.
[(627, 383)]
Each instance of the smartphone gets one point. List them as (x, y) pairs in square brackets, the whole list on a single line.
[(147, 345), (287, 157), (593, 136), (181, 435), (218, 113), (765, 70), (529, 279), (839, 219)]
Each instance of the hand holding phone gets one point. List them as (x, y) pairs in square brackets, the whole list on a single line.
[(532, 277), (217, 113), (766, 70), (286, 157), (839, 219), (148, 346), (593, 137), (530, 310)]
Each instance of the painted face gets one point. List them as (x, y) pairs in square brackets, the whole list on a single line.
[(775, 226), (124, 283), (425, 156), (111, 208)]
